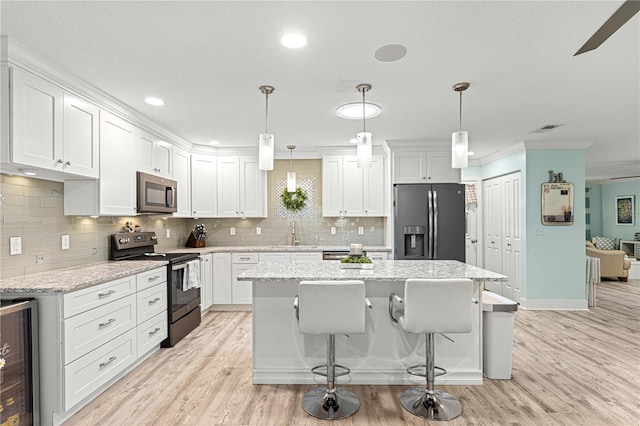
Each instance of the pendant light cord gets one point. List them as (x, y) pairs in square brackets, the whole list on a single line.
[(291, 158), (266, 116), (460, 123), (364, 121)]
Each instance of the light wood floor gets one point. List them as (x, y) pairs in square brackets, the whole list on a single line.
[(569, 368)]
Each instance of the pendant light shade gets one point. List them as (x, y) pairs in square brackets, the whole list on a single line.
[(291, 176), (266, 142), (364, 147), (460, 139)]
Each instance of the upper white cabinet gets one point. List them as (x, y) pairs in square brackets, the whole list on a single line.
[(154, 155), (182, 175), (81, 152), (51, 130), (204, 189), (423, 167), (242, 187), (350, 191), (114, 194)]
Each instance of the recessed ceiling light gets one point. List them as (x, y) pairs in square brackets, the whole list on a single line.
[(470, 153), (29, 172), (214, 142), (353, 140), (353, 110), (293, 40), (154, 101), (391, 53)]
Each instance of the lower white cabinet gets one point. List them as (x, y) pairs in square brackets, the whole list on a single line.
[(374, 256), (306, 256), (274, 257), (221, 278), (241, 290), (206, 282), (92, 336)]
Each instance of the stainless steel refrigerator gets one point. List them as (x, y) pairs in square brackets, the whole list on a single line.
[(429, 221)]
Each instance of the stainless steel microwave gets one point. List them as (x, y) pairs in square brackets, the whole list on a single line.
[(156, 194)]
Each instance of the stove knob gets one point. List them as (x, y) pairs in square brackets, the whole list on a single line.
[(122, 240), (154, 237)]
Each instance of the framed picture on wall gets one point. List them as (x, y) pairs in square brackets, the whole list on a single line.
[(625, 210)]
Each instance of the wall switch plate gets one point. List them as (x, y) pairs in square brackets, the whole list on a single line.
[(258, 230), (372, 228), (16, 245), (168, 233), (94, 251), (360, 230), (232, 230), (64, 241), (333, 230), (539, 231), (39, 259)]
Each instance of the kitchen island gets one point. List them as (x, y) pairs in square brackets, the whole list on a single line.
[(282, 355)]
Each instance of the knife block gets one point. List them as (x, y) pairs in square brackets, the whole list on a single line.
[(193, 242)]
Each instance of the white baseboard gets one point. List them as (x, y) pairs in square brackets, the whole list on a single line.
[(395, 377), (554, 304)]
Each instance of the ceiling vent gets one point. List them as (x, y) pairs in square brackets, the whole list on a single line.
[(546, 128)]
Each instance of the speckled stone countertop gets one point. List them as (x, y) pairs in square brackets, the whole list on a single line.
[(387, 270), (76, 277), (271, 249)]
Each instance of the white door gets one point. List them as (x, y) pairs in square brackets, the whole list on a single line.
[(252, 188), (471, 234), (222, 278), (492, 198), (332, 186), (117, 172), (162, 158), (206, 276), (145, 143), (182, 176), (374, 188), (81, 138), (352, 187), (204, 187), (228, 187), (410, 167), (511, 241), (241, 291), (439, 168)]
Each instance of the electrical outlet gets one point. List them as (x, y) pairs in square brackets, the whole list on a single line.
[(16, 245), (168, 233), (65, 242), (258, 230), (39, 259), (333, 230), (539, 231), (232, 230), (360, 230), (94, 251)]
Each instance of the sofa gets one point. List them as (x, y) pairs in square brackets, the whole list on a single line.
[(612, 262)]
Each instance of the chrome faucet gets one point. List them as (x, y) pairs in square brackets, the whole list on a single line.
[(294, 240)]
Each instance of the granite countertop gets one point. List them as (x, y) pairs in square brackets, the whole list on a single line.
[(386, 270), (273, 248), (76, 277)]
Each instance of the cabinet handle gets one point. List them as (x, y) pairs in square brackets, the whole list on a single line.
[(429, 177), (245, 258), (424, 177), (107, 294), (104, 324), (151, 333), (67, 163), (111, 359), (59, 161), (154, 278), (151, 302)]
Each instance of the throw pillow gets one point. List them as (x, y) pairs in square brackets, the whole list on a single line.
[(606, 243)]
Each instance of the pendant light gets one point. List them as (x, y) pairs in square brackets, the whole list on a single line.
[(364, 147), (460, 139), (266, 140), (291, 176)]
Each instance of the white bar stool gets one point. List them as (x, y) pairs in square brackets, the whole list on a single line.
[(432, 306), (331, 307)]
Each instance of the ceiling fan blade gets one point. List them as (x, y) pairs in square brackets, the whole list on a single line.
[(618, 19)]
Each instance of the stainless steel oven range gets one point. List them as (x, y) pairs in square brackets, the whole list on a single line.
[(184, 305)]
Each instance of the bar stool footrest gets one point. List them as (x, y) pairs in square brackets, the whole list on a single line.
[(421, 370), (341, 370)]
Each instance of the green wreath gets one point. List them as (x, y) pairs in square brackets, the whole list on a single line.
[(294, 201)]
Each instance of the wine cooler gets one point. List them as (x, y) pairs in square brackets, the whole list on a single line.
[(19, 386)]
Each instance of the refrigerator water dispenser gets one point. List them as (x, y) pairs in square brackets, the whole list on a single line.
[(414, 241)]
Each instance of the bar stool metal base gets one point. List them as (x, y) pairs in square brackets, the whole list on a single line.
[(437, 406), (319, 404)]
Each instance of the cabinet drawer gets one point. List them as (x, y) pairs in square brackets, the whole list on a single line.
[(85, 332), (151, 301), (377, 255), (244, 257), (152, 332), (89, 373), (306, 257), (92, 297), (153, 277), (274, 257)]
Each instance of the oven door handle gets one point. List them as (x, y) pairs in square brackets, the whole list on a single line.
[(178, 267)]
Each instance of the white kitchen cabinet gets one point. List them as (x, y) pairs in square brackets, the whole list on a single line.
[(274, 257), (206, 281), (114, 193), (221, 278), (423, 167), (204, 186), (242, 187), (306, 256), (154, 155), (81, 152), (376, 256), (51, 130), (241, 292), (182, 175), (350, 191)]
